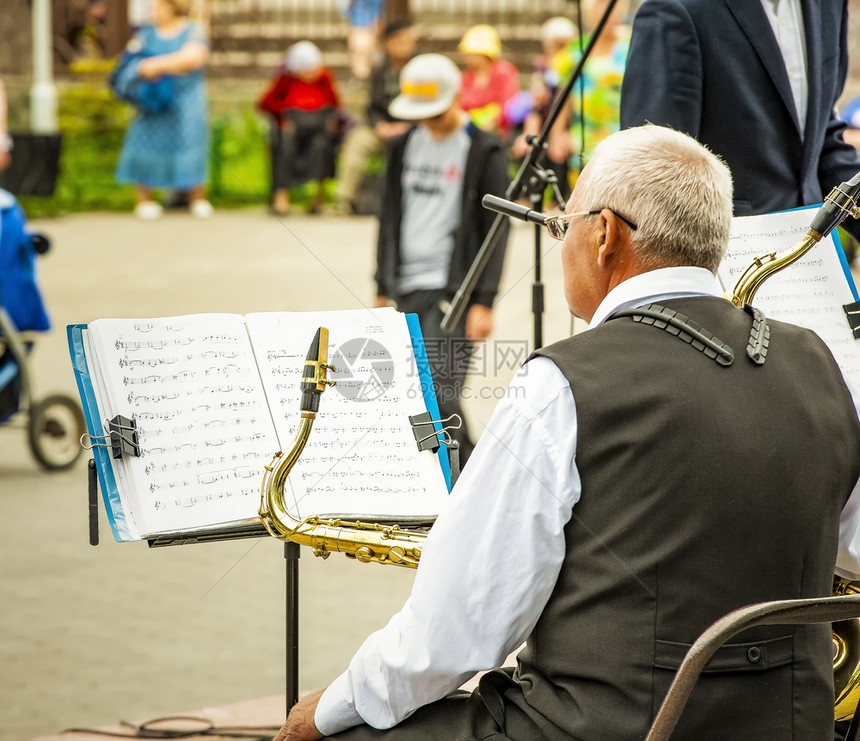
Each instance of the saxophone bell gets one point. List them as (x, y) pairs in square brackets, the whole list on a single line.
[(846, 657)]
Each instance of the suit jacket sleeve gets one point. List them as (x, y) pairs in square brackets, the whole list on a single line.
[(663, 78), (838, 160)]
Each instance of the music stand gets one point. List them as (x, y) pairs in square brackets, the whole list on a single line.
[(123, 432)]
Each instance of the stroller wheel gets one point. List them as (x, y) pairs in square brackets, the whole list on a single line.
[(55, 429)]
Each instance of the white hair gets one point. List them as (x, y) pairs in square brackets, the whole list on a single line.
[(675, 189), (303, 56)]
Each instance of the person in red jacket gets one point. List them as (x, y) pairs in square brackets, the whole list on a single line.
[(305, 108)]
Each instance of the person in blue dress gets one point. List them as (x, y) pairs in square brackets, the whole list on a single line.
[(168, 149)]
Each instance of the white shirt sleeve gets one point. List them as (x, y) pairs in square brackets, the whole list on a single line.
[(508, 510)]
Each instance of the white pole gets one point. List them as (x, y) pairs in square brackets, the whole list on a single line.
[(43, 93)]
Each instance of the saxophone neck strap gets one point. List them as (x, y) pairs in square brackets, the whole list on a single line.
[(759, 336), (695, 335)]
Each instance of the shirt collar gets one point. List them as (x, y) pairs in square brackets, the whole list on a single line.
[(656, 285)]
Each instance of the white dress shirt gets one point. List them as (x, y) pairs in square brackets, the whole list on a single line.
[(786, 20), (493, 556)]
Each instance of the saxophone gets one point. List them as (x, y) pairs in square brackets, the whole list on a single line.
[(364, 541), (840, 203)]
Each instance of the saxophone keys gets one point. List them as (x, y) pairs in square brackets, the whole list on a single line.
[(364, 554)]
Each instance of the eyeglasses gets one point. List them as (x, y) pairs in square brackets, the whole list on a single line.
[(557, 226)]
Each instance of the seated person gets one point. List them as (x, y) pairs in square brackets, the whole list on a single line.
[(632, 491), (304, 106)]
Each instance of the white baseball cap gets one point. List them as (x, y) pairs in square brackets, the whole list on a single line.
[(429, 85)]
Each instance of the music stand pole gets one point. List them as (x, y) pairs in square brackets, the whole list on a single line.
[(292, 552)]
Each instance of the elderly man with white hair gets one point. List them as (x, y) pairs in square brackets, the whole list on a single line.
[(639, 485)]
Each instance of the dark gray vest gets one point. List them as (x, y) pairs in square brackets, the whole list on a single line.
[(704, 488)]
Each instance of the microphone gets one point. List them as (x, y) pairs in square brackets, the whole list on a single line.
[(840, 202), (517, 211)]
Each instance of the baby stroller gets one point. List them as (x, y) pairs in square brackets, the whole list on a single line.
[(55, 423)]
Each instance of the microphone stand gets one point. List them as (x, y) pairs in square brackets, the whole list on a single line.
[(531, 180), (540, 179)]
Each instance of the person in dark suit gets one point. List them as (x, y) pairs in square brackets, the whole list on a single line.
[(715, 69)]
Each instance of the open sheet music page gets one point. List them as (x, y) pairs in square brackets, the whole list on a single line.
[(216, 396), (361, 456), (810, 292), (205, 430)]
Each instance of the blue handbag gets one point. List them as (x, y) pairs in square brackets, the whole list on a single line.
[(150, 96)]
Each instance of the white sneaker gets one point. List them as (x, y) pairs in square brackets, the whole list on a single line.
[(148, 210), (201, 208)]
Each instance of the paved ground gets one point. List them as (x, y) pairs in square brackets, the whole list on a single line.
[(88, 635)]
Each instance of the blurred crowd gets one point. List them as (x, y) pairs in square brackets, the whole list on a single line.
[(315, 137)]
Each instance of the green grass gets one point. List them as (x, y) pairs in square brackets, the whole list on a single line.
[(93, 123)]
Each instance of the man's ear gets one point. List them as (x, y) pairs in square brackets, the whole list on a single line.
[(611, 238)]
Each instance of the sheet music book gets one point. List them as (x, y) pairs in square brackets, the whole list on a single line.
[(215, 396), (811, 292)]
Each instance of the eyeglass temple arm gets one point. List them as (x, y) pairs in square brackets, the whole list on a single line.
[(517, 211)]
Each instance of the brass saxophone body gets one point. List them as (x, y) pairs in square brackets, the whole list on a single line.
[(364, 541), (846, 657), (840, 203)]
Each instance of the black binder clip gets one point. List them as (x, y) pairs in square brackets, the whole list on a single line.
[(425, 432), (122, 438), (852, 311), (427, 437)]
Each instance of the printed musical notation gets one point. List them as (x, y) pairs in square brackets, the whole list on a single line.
[(192, 385), (811, 292), (214, 396), (362, 456)]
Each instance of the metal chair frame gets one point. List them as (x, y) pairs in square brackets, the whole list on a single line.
[(779, 612)]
